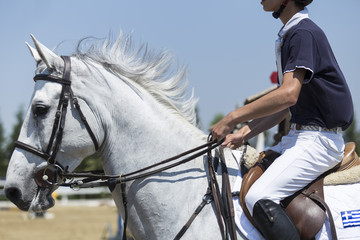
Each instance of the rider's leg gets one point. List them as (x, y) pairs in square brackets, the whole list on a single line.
[(305, 156), (273, 221)]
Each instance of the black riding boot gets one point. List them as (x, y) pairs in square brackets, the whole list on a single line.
[(273, 221)]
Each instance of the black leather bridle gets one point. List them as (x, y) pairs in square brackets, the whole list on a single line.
[(47, 176)]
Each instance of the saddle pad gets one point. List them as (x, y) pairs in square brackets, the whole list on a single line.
[(343, 200)]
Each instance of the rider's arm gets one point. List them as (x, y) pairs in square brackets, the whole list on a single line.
[(254, 128), (262, 124), (278, 100)]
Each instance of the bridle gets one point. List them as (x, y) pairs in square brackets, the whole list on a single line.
[(54, 174), (48, 176)]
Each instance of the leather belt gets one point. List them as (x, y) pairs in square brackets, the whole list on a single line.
[(297, 126)]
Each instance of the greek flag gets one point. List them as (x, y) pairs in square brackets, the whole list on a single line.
[(351, 218)]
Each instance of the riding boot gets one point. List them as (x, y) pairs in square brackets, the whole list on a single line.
[(273, 221)]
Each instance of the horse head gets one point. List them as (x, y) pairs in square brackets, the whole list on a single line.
[(55, 133)]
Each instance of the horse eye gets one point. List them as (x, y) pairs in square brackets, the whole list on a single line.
[(40, 109)]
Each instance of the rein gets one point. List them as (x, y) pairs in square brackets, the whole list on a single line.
[(109, 180), (50, 175), (221, 198)]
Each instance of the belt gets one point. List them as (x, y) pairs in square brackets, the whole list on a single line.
[(297, 126)]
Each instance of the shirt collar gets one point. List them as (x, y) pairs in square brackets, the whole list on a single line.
[(293, 22)]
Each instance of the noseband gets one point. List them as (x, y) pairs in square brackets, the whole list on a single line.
[(47, 176)]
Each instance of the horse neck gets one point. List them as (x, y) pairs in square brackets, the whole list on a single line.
[(140, 132), (130, 121)]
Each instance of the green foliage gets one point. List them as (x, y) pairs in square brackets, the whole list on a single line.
[(3, 158), (15, 132), (352, 135), (218, 117), (7, 145), (90, 163)]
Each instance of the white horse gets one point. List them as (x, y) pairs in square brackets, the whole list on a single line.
[(139, 115)]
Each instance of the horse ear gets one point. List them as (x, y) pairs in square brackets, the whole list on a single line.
[(50, 58), (34, 53)]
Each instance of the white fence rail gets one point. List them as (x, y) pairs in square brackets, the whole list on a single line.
[(2, 183)]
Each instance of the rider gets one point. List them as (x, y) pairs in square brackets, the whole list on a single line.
[(313, 88)]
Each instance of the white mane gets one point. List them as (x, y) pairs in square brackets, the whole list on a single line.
[(141, 65)]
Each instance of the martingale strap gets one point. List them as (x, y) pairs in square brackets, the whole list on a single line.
[(227, 198), (225, 211)]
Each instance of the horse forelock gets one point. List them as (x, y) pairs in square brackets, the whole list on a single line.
[(143, 66)]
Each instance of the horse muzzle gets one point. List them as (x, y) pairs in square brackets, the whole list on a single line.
[(15, 195), (45, 181)]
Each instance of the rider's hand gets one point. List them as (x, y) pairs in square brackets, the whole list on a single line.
[(223, 128), (237, 139)]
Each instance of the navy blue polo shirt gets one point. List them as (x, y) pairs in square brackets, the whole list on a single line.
[(325, 99)]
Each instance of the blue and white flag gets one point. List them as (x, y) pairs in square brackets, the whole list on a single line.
[(351, 218)]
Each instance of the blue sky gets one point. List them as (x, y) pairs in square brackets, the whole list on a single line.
[(228, 46)]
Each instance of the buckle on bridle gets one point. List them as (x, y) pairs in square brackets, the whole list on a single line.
[(207, 198)]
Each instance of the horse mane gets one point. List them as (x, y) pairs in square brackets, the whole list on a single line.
[(145, 67)]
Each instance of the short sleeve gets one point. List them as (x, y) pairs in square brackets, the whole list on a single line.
[(301, 53)]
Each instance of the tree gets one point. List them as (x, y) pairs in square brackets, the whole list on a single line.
[(3, 158), (218, 117), (198, 121), (352, 135), (90, 163), (15, 132)]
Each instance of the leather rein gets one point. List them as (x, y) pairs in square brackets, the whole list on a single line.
[(55, 175)]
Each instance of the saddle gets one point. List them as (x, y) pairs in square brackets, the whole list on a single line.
[(306, 208)]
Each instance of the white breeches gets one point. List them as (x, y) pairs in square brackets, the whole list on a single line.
[(305, 155)]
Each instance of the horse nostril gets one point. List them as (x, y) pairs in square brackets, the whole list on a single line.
[(13, 194)]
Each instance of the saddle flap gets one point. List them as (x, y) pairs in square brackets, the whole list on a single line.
[(307, 214), (252, 175), (248, 180)]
